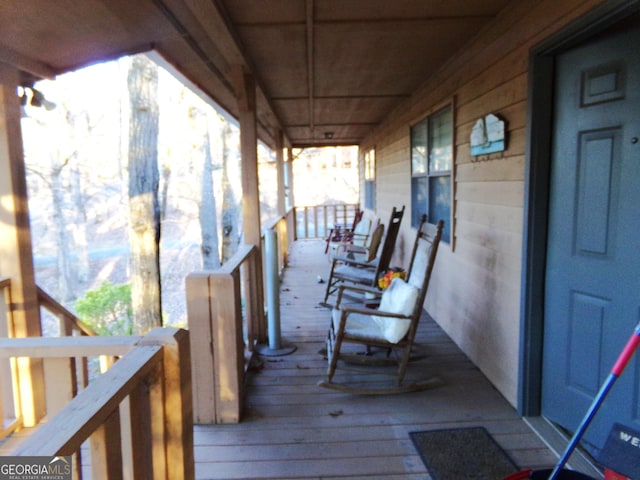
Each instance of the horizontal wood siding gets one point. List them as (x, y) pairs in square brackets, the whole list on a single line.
[(475, 295)]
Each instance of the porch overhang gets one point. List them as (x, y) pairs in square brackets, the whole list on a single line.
[(327, 72)]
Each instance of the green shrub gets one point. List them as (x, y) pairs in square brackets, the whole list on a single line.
[(107, 309)]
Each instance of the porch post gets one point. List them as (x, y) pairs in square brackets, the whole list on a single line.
[(246, 96), (289, 178), (280, 171), (16, 258)]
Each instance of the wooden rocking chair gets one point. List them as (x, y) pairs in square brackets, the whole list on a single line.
[(357, 271), (363, 253), (392, 326), (359, 238), (340, 232)]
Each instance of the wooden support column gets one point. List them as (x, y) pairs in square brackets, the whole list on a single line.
[(16, 258), (282, 209), (292, 222), (246, 96), (289, 178)]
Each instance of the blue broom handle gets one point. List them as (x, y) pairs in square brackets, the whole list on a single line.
[(616, 371)]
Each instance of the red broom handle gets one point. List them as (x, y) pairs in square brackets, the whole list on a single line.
[(617, 369), (627, 353)]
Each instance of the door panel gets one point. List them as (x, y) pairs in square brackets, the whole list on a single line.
[(592, 289)]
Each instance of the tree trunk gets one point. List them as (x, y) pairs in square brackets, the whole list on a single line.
[(81, 123), (144, 211), (230, 207), (207, 210), (60, 224), (81, 242)]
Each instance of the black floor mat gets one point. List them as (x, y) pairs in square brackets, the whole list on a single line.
[(462, 453)]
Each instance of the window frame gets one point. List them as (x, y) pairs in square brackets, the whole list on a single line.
[(369, 175), (423, 174)]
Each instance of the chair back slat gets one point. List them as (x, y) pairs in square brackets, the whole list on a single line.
[(389, 241), (423, 259), (376, 239)]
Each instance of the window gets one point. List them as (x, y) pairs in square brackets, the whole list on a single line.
[(370, 179), (431, 166)]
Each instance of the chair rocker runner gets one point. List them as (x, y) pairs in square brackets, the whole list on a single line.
[(367, 272), (392, 326)]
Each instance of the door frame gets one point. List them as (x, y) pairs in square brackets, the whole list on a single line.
[(539, 137)]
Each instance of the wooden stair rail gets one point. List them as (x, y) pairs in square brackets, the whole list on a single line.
[(74, 368), (146, 393), (68, 321)]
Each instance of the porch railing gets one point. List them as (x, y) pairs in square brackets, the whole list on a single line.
[(10, 415), (137, 416), (316, 221), (285, 229), (226, 316), (225, 313), (77, 368), (68, 323)]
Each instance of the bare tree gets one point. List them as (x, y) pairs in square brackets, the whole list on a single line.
[(144, 208), (79, 123), (230, 205), (207, 207)]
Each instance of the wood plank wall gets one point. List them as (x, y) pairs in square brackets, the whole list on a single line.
[(475, 292)]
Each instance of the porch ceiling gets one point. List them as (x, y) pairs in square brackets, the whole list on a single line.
[(327, 71)]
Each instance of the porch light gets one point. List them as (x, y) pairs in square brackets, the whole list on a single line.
[(37, 98), (328, 135)]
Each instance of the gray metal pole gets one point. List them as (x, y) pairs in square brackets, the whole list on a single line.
[(273, 288), (273, 298)]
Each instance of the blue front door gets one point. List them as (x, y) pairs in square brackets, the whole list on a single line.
[(592, 292)]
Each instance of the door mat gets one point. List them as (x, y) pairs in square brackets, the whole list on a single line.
[(462, 453)]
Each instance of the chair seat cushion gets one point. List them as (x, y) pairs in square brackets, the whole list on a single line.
[(356, 274), (359, 326), (399, 298)]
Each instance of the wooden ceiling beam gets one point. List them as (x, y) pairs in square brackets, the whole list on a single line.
[(310, 61), (26, 64)]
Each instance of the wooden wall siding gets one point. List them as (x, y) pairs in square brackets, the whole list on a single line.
[(475, 295)]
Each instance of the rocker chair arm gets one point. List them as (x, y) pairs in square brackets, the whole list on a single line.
[(360, 289), (352, 262), (356, 289), (372, 311)]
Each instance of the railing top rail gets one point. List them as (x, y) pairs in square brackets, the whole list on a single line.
[(5, 282), (272, 224), (60, 347), (330, 205), (241, 255), (65, 432)]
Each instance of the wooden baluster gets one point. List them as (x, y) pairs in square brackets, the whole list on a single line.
[(106, 449), (178, 402), (60, 383)]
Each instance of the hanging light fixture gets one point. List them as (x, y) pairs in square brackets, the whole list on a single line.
[(37, 98)]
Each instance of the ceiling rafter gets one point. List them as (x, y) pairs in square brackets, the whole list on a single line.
[(310, 62)]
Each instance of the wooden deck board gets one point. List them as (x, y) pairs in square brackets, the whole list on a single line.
[(293, 429)]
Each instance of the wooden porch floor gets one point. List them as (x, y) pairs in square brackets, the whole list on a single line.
[(293, 429)]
